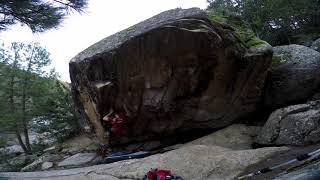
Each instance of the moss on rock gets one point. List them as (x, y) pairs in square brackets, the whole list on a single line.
[(276, 60), (242, 32), (254, 41)]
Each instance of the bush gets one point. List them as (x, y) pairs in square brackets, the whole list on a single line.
[(3, 142), (59, 122)]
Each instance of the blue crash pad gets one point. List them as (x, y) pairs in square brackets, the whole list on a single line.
[(119, 156)]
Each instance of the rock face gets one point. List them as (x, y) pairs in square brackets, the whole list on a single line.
[(13, 149), (37, 163), (316, 45), (293, 125), (173, 72), (78, 159), (46, 165), (294, 77), (235, 137), (78, 144), (196, 162)]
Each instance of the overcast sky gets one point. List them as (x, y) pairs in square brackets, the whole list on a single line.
[(101, 19)]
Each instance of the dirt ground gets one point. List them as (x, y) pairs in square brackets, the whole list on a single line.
[(277, 159)]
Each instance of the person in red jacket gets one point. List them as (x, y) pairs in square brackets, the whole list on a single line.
[(117, 125), (116, 122)]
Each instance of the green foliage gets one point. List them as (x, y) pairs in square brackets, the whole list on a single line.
[(28, 93), (3, 142), (39, 15), (5, 164), (38, 147), (254, 41), (223, 6), (59, 120), (22, 67), (229, 18), (9, 162), (276, 21)]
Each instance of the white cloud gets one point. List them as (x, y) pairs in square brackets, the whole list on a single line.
[(102, 18)]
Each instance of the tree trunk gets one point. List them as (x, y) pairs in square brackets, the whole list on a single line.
[(13, 110), (23, 119), (23, 146), (24, 101)]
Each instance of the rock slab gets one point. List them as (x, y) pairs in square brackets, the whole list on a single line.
[(235, 137), (196, 162), (78, 159), (310, 172)]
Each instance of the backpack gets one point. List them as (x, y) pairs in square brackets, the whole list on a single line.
[(155, 174)]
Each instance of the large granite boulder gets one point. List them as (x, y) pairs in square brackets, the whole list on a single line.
[(294, 77), (173, 72), (293, 125), (196, 162)]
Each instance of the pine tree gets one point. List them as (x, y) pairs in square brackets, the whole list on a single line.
[(39, 15), (31, 98), (276, 21), (21, 64), (59, 117)]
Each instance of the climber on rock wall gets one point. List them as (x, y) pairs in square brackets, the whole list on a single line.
[(116, 122)]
